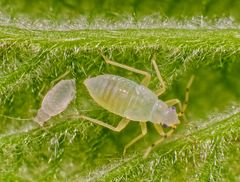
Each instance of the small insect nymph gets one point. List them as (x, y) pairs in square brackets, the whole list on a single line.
[(56, 100), (135, 102)]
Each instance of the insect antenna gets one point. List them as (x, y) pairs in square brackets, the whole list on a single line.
[(185, 103)]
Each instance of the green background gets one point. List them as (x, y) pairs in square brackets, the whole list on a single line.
[(40, 41)]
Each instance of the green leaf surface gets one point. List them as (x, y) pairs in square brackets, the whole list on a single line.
[(33, 60)]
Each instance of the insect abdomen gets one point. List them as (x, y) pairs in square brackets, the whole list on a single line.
[(121, 96), (111, 92)]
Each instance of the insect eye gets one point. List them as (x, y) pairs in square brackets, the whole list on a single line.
[(173, 108), (165, 126)]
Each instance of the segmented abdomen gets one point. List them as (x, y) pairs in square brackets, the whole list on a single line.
[(122, 96)]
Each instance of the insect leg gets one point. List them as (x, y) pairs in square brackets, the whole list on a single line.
[(178, 102), (121, 125), (187, 94), (162, 88), (146, 79), (183, 106), (159, 129), (161, 133), (144, 132), (174, 102)]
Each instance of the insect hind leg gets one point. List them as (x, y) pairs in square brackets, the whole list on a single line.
[(121, 125)]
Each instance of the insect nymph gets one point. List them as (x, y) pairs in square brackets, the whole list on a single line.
[(135, 102)]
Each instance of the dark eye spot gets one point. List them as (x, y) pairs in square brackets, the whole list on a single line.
[(165, 126), (173, 108)]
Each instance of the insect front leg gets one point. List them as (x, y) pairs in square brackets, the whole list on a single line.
[(162, 88), (144, 132), (174, 102), (146, 79), (164, 135), (121, 125), (178, 102)]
